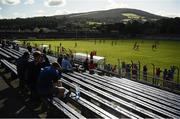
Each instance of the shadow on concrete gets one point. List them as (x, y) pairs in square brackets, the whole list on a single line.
[(10, 104)]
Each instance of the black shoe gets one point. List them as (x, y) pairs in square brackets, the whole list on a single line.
[(66, 98), (68, 94)]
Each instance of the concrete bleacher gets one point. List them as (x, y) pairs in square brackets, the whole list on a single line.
[(10, 104), (151, 91), (130, 95), (107, 94), (68, 111), (91, 105), (110, 97), (5, 56), (150, 102), (8, 65), (9, 53), (135, 90), (85, 103), (103, 103)]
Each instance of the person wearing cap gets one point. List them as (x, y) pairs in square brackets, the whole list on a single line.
[(34, 68), (48, 78), (22, 63), (49, 84)]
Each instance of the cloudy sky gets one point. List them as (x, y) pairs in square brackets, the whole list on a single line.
[(31, 8)]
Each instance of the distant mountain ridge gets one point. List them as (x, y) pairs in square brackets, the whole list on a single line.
[(88, 21), (112, 15)]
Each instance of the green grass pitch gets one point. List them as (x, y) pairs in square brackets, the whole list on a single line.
[(166, 54)]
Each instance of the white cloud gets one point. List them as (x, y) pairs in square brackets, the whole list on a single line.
[(29, 2), (0, 8), (168, 14), (1, 17), (10, 2), (40, 13), (117, 4), (19, 15), (54, 3), (61, 12)]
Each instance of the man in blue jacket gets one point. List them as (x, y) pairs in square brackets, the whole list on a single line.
[(49, 84), (47, 80), (66, 65)]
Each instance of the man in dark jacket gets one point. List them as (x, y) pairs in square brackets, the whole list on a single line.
[(22, 63), (34, 68), (85, 64)]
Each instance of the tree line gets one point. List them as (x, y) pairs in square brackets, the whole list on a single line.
[(163, 26), (132, 27)]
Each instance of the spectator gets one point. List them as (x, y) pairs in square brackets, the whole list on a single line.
[(157, 78), (169, 79), (60, 58), (108, 67), (85, 64), (49, 52), (171, 74), (34, 68), (172, 68), (17, 47), (128, 69), (114, 69), (66, 65), (24, 43), (14, 46), (134, 71), (22, 63), (71, 59), (135, 45), (48, 84), (123, 70), (91, 67), (29, 48), (165, 76), (44, 50), (145, 72)]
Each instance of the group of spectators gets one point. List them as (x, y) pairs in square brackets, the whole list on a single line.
[(15, 46), (167, 75), (131, 71), (111, 68), (66, 63), (7, 43), (40, 77)]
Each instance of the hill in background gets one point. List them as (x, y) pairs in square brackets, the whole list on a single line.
[(111, 16)]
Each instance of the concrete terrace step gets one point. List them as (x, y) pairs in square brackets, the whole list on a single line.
[(11, 105)]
